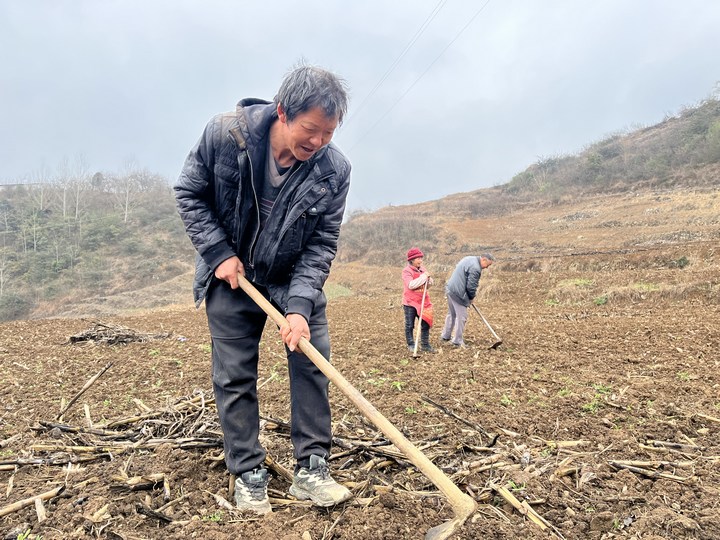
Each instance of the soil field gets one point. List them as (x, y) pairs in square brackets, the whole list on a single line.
[(600, 411)]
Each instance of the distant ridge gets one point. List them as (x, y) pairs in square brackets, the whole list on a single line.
[(681, 152)]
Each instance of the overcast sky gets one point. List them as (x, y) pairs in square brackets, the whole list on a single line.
[(447, 96)]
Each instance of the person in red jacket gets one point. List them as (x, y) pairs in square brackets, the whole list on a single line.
[(416, 301)]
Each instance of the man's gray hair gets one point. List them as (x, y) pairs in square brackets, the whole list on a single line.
[(307, 87), (488, 256)]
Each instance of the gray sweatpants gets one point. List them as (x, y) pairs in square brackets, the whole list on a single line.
[(455, 319), (236, 325)]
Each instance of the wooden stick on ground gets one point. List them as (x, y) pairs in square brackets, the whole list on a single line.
[(676, 446), (473, 425), (665, 450), (10, 484), (279, 469), (40, 510), (88, 384), (655, 464), (30, 501), (140, 508), (137, 483), (88, 418), (525, 509), (174, 501), (220, 500), (708, 418), (648, 472), (7, 441)]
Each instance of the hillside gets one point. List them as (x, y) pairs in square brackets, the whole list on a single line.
[(80, 236), (680, 153), (76, 243)]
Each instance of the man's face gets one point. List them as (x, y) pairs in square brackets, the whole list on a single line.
[(484, 263), (308, 132), (417, 263)]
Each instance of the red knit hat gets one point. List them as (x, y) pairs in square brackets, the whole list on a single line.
[(414, 253)]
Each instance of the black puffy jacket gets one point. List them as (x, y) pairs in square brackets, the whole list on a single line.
[(217, 200)]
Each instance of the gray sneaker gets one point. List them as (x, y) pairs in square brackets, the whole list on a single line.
[(251, 492), (316, 484)]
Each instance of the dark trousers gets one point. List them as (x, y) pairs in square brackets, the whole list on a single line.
[(236, 325), (411, 315)]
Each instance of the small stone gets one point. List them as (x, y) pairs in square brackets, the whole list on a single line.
[(387, 500), (602, 521)]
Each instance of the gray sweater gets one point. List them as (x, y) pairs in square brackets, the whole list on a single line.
[(463, 282)]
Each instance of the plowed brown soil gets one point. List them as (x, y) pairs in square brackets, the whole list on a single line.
[(605, 395)]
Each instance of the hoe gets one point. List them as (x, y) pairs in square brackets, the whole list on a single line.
[(463, 505), (498, 341), (420, 320)]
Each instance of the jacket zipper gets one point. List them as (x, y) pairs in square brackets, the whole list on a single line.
[(287, 223), (253, 244), (251, 255)]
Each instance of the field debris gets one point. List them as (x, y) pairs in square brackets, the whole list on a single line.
[(113, 334), (366, 462), (369, 464)]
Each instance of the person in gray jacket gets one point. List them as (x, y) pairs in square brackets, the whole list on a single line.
[(460, 290), (263, 194)]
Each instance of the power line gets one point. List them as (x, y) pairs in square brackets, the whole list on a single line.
[(420, 77), (412, 41), (392, 67)]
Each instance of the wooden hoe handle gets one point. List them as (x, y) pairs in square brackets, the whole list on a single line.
[(420, 319), (486, 323)]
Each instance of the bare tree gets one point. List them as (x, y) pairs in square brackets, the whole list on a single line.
[(39, 187), (4, 257), (73, 251), (73, 180), (80, 183), (5, 209), (31, 227), (131, 181), (63, 182)]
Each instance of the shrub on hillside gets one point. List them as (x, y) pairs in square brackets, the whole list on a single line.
[(15, 306), (655, 155), (101, 231), (390, 236)]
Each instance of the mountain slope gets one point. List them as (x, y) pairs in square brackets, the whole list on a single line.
[(97, 241), (680, 153)]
